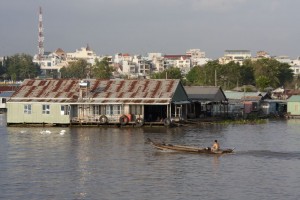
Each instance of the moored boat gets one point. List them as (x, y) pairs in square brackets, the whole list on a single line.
[(190, 149)]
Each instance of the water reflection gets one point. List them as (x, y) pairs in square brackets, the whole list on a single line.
[(116, 163)]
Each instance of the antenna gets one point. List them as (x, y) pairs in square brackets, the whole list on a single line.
[(41, 35)]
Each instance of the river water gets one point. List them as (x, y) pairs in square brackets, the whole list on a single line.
[(118, 163)]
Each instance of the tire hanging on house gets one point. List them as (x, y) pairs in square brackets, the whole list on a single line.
[(167, 122), (139, 122), (103, 119), (123, 120)]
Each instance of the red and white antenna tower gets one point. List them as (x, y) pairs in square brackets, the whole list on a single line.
[(41, 35)]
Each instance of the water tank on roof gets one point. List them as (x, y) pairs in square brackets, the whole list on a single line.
[(84, 83)]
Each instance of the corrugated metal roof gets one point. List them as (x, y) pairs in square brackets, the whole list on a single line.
[(240, 95), (205, 93), (99, 91), (294, 98)]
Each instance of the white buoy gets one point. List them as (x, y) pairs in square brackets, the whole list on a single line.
[(45, 132), (62, 132)]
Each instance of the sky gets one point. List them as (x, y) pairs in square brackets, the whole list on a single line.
[(144, 26)]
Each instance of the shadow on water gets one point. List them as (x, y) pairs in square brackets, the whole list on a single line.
[(270, 154)]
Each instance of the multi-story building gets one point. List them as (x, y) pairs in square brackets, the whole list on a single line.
[(51, 62), (237, 56), (262, 54), (157, 61), (198, 57), (195, 53), (284, 59), (84, 53), (183, 62), (295, 66)]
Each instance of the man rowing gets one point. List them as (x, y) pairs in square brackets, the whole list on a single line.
[(215, 146)]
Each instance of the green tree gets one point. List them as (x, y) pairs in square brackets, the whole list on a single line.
[(171, 73), (285, 74), (102, 70), (262, 82), (21, 66), (211, 69), (247, 73), (78, 69), (272, 72), (195, 76)]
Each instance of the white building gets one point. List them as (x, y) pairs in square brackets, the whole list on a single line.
[(284, 59), (51, 61), (157, 61), (183, 62), (197, 57), (84, 53), (195, 53), (295, 66), (238, 56)]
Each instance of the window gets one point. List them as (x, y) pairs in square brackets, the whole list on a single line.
[(64, 110), (113, 109), (116, 109), (96, 110), (3, 100), (27, 109), (136, 109), (46, 109)]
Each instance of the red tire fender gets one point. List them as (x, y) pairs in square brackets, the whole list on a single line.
[(123, 120)]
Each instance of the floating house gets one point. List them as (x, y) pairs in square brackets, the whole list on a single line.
[(206, 101), (97, 102), (293, 106), (243, 103), (274, 107)]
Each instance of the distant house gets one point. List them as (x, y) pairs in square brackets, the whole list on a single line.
[(274, 107), (6, 90), (241, 103), (3, 98), (293, 106), (93, 101), (206, 101)]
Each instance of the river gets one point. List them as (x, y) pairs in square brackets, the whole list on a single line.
[(118, 163)]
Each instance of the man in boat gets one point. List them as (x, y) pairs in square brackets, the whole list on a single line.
[(215, 146)]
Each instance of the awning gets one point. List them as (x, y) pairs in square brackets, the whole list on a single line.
[(181, 102)]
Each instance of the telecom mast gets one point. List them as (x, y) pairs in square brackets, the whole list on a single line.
[(41, 36)]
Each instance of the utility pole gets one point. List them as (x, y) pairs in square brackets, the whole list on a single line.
[(215, 77), (41, 36)]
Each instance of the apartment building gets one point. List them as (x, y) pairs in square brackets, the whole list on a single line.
[(237, 56), (85, 53), (183, 62)]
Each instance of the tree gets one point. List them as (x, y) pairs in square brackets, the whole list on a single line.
[(102, 70), (247, 73), (195, 76), (78, 69), (272, 72), (285, 74), (171, 73), (21, 66), (211, 69)]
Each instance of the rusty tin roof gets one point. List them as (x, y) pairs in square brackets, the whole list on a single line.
[(154, 91)]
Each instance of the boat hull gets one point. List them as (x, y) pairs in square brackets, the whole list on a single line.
[(188, 149)]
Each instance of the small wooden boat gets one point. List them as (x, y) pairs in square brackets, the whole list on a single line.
[(189, 149)]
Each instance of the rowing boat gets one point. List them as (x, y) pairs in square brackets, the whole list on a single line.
[(190, 149)]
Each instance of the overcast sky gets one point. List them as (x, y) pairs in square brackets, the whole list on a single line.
[(142, 26)]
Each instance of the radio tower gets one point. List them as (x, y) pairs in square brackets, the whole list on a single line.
[(41, 36)]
